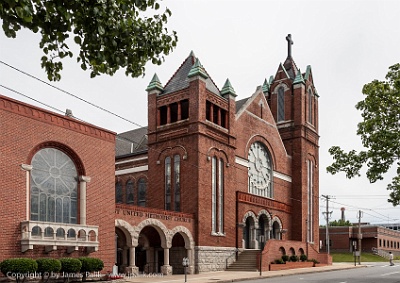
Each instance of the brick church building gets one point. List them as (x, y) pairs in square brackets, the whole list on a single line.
[(210, 179)]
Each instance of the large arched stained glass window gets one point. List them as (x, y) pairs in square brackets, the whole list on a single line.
[(142, 191), (54, 187)]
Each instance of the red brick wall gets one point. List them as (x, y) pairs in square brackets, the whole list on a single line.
[(23, 129)]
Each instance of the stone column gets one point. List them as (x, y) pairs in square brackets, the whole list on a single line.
[(166, 269), (83, 180), (27, 168), (132, 268), (190, 255)]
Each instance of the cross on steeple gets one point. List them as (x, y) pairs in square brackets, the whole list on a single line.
[(290, 43)]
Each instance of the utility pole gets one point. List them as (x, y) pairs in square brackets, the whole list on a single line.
[(359, 236), (327, 214)]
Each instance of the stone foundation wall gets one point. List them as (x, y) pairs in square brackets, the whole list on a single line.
[(213, 258)]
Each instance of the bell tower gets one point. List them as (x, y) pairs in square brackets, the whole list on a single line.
[(293, 100)]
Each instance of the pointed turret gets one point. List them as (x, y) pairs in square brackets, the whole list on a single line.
[(228, 89), (197, 70), (155, 84), (265, 86), (299, 78)]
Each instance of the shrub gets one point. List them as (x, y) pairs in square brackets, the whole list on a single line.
[(294, 258), (279, 261), (48, 266), (90, 264), (20, 266), (285, 258), (303, 257), (314, 260), (70, 265)]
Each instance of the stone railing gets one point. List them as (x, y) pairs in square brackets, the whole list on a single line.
[(53, 235)]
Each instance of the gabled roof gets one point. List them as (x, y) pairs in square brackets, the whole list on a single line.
[(180, 79), (290, 67), (131, 142)]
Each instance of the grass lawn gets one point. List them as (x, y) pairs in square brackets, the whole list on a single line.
[(348, 257)]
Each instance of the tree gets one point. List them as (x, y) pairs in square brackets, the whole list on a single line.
[(111, 34), (379, 132)]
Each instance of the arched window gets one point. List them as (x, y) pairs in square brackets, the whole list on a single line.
[(172, 183), (142, 191), (177, 186), (118, 192), (281, 104), (260, 171), (129, 192), (167, 176), (217, 195), (54, 187), (309, 107)]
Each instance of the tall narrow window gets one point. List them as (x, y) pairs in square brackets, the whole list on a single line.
[(118, 192), (177, 189), (221, 196), (214, 195), (142, 191), (168, 183), (129, 192), (281, 104), (208, 110), (310, 197), (309, 107), (54, 187), (217, 195)]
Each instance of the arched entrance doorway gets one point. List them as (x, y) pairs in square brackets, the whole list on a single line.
[(149, 252), (248, 233), (276, 229), (122, 250), (177, 253), (263, 225)]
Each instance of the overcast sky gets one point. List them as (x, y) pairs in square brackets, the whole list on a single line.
[(347, 44)]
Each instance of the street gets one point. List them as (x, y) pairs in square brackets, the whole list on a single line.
[(374, 273)]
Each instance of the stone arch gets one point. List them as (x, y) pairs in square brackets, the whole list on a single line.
[(187, 236), (267, 214), (128, 230), (178, 148), (252, 215), (220, 152), (164, 233)]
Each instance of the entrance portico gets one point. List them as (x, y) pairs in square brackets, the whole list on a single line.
[(150, 247)]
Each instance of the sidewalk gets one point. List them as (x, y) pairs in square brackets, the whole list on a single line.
[(235, 276)]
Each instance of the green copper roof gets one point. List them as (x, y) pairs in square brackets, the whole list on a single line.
[(265, 86), (228, 89), (308, 71), (155, 84), (271, 79), (299, 78), (197, 70)]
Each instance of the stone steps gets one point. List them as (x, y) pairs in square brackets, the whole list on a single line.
[(247, 261)]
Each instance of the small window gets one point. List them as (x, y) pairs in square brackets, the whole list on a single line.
[(118, 192), (142, 191), (184, 109), (173, 108), (163, 115), (129, 192)]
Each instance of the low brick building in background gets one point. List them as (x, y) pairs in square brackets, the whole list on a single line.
[(374, 239)]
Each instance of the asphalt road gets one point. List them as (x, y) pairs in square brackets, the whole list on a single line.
[(373, 273)]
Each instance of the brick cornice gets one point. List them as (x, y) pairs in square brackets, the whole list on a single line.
[(42, 115)]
